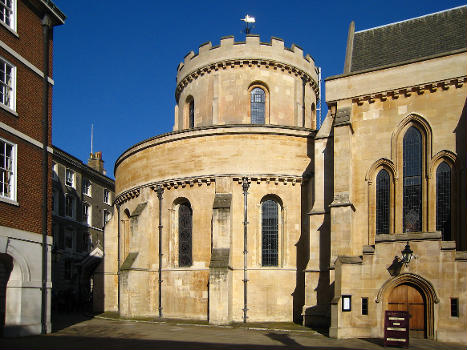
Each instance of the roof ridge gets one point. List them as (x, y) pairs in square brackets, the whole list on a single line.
[(411, 19)]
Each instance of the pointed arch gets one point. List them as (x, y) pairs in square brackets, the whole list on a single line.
[(371, 177), (423, 285), (413, 213)]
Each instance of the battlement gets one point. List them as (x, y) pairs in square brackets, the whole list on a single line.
[(230, 51)]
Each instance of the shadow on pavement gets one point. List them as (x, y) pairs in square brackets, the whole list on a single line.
[(66, 342), (61, 320)]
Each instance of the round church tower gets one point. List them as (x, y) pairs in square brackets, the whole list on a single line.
[(233, 172)]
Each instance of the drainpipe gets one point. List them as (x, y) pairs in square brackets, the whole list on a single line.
[(118, 257), (245, 187), (160, 191), (46, 23)]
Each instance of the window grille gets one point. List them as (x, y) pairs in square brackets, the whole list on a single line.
[(270, 232), (382, 202), (185, 220), (412, 201), (443, 200), (364, 306), (454, 307), (257, 105)]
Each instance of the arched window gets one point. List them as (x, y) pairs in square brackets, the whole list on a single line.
[(443, 200), (185, 220), (191, 114), (412, 196), (270, 233), (382, 202), (257, 105)]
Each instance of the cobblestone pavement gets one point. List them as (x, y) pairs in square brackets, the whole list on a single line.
[(98, 333)]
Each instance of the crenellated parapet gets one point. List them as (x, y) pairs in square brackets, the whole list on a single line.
[(251, 52)]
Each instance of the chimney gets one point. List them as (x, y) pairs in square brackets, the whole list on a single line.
[(95, 161)]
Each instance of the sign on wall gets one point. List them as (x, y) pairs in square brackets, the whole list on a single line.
[(396, 328)]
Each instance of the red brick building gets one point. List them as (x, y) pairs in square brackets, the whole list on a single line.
[(26, 43)]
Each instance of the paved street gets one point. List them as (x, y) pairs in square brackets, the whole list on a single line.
[(78, 332)]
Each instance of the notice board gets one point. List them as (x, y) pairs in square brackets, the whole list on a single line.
[(396, 328)]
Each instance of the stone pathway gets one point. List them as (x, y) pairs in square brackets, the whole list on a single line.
[(99, 333)]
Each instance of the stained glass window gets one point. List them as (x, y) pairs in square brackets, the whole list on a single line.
[(185, 219), (412, 201), (270, 232), (382, 202), (257, 104), (443, 200)]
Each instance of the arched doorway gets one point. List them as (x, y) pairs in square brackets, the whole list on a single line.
[(406, 297), (6, 265)]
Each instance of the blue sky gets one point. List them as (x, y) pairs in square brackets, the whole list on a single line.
[(115, 61)]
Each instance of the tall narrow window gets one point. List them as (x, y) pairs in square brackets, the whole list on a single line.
[(7, 170), (270, 232), (7, 84), (443, 200), (257, 106), (382, 202), (191, 114), (185, 220), (412, 215), (7, 13)]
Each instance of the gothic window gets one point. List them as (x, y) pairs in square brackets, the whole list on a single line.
[(412, 193), (270, 232), (443, 200), (191, 114), (185, 222), (257, 105), (382, 202)]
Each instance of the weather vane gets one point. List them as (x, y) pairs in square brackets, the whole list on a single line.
[(248, 23)]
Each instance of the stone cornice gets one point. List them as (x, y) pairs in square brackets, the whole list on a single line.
[(409, 90), (206, 180), (247, 62)]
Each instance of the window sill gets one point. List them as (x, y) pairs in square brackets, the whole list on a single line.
[(9, 110), (385, 237), (11, 30), (9, 201)]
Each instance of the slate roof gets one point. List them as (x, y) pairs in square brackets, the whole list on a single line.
[(416, 38)]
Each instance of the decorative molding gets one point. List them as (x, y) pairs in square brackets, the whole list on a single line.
[(249, 62), (276, 179), (409, 90), (127, 195)]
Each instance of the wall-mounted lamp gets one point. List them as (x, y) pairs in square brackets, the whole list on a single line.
[(407, 254)]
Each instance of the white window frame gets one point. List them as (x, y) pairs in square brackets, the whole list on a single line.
[(73, 178), (106, 196), (8, 99), (54, 171), (12, 16), (106, 216), (12, 170), (88, 211), (73, 204), (87, 191)]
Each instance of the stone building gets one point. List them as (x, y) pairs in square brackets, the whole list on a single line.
[(390, 171), (245, 212), (82, 199), (26, 43)]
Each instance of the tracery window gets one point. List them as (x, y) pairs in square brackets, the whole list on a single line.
[(412, 193), (443, 200), (270, 232), (185, 223), (382, 202), (257, 105)]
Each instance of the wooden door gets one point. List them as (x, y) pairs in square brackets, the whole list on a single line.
[(407, 298)]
